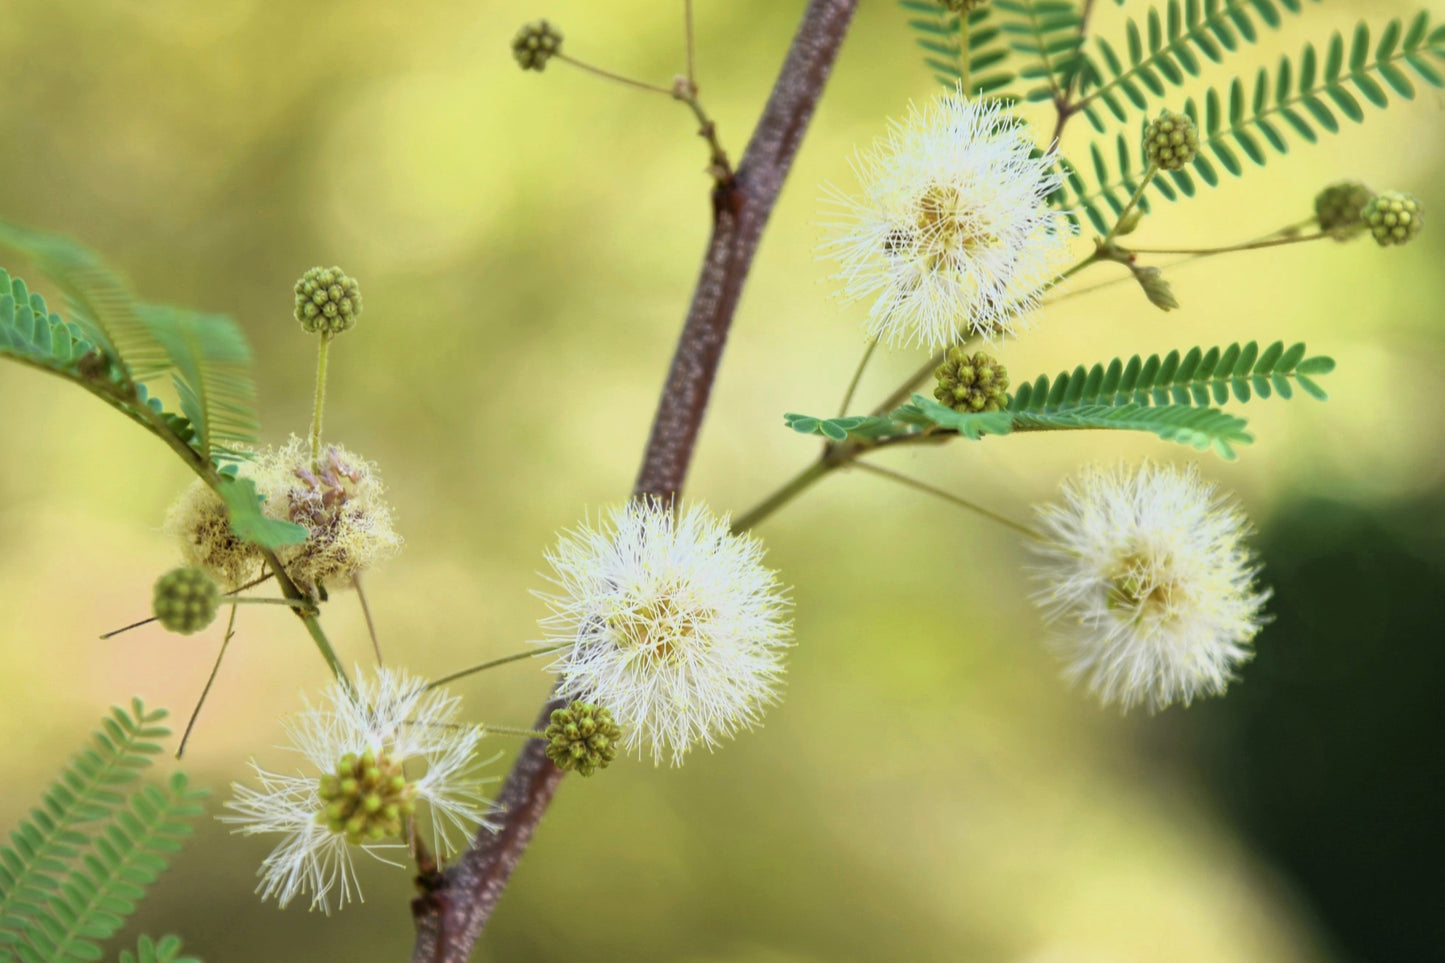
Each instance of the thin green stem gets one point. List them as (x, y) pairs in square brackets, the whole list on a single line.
[(318, 635), (857, 377), (1133, 200), (1246, 246), (319, 405), (210, 680), (792, 489), (946, 496), (691, 46), (482, 667), (512, 731), (618, 78)]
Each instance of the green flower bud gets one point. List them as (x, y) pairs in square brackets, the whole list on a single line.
[(1394, 218), (1156, 289), (971, 383), (535, 44), (186, 600), (1340, 207), (327, 301), (1171, 140), (367, 798), (582, 737)]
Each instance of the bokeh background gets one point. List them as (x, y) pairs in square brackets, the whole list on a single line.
[(930, 789)]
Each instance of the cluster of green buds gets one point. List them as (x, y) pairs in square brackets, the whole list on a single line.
[(535, 44), (582, 737), (367, 798), (1339, 208), (185, 600), (1171, 140), (1393, 218), (971, 383), (327, 301)]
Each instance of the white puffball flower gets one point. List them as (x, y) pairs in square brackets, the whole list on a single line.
[(671, 622), (950, 233), (372, 762), (1147, 578)]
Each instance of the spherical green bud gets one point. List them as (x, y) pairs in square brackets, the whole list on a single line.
[(186, 600), (535, 44), (1340, 207), (971, 383), (327, 301), (1171, 140), (1394, 218), (582, 737)]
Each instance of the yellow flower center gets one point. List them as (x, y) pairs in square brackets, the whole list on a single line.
[(1136, 585), (950, 230), (659, 627)]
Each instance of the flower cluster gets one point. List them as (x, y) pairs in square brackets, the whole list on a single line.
[(1146, 575), (340, 501), (950, 234), (377, 759), (671, 622)]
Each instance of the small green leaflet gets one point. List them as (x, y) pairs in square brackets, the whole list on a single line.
[(249, 523)]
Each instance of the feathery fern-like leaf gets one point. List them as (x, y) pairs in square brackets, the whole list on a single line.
[(1196, 378), (1166, 50), (205, 355), (954, 53), (1298, 99), (1048, 35), (103, 888), (1198, 427), (88, 791)]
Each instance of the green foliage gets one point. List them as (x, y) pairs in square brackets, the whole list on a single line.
[(165, 950), (1296, 100), (1198, 378), (1043, 42), (129, 343), (942, 38), (1047, 35), (1169, 396), (248, 521), (77, 866), (31, 333), (1167, 49)]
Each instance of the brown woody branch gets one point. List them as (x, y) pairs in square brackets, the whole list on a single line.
[(457, 903)]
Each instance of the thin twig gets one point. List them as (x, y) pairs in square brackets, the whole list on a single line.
[(450, 917), (196, 713), (617, 78), (947, 496), (857, 377), (504, 660), (691, 44), (366, 613)]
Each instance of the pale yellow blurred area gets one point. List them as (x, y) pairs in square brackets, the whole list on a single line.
[(526, 245)]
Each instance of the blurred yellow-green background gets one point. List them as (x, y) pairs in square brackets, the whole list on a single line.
[(929, 790)]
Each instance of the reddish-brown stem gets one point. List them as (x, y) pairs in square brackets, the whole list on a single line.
[(1062, 103), (450, 916)]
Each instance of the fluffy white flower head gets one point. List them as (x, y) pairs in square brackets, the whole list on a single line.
[(669, 621), (1147, 577), (372, 762), (950, 232)]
